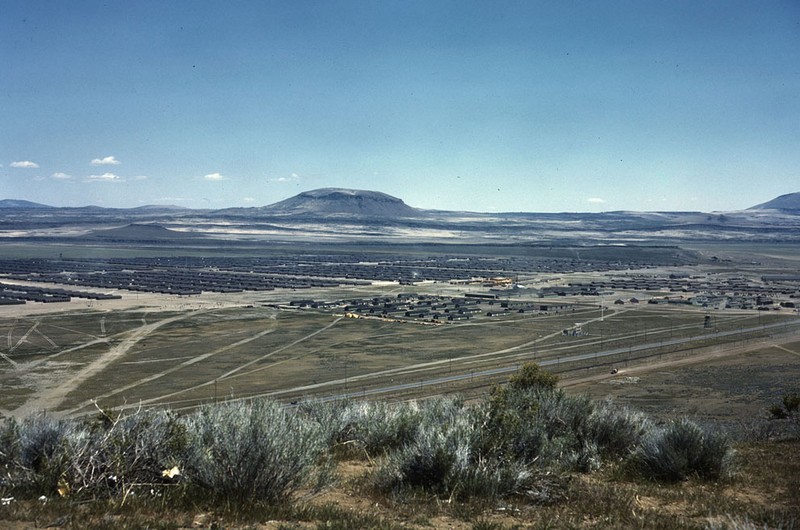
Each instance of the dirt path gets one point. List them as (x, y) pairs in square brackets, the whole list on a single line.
[(51, 397), (786, 349), (24, 337), (232, 372), (159, 375)]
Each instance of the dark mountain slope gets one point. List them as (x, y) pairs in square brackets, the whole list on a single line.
[(790, 201), (18, 203), (337, 202)]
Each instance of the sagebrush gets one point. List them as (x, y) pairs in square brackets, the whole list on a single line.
[(521, 440)]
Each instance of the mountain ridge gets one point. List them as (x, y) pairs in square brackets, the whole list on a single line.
[(366, 203), (21, 203), (338, 214)]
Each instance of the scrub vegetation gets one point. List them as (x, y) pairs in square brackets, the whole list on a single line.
[(527, 444)]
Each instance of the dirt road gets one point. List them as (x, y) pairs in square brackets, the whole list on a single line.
[(55, 391)]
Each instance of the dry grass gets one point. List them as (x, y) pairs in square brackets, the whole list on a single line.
[(763, 493), (241, 352)]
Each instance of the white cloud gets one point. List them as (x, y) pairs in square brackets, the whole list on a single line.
[(107, 161), (140, 177), (291, 178), (26, 164), (215, 177), (595, 200), (105, 177), (249, 199), (60, 176)]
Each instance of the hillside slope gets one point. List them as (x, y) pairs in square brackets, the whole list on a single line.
[(789, 201)]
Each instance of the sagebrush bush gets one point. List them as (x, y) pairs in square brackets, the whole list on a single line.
[(509, 429), (9, 443), (377, 427), (788, 407), (520, 440), (129, 450), (616, 429), (531, 375), (330, 416), (778, 412), (682, 449), (251, 451), (47, 452), (443, 459), (90, 459), (432, 457), (358, 426), (541, 425), (791, 402)]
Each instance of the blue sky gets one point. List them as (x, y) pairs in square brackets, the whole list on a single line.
[(482, 106)]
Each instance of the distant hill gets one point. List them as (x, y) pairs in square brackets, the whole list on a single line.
[(140, 232), (157, 207), (790, 201), (340, 202), (17, 203), (336, 214)]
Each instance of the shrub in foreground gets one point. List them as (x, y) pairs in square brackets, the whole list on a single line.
[(791, 402), (522, 439), (531, 375), (251, 451), (126, 451), (539, 425), (442, 459), (42, 454), (788, 407), (682, 449), (616, 429), (90, 459), (378, 426)]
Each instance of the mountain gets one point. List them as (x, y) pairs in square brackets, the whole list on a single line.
[(790, 201), (343, 202), (159, 207), (17, 203), (336, 214)]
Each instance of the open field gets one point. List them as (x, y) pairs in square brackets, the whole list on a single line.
[(196, 349), (155, 349), (732, 385)]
